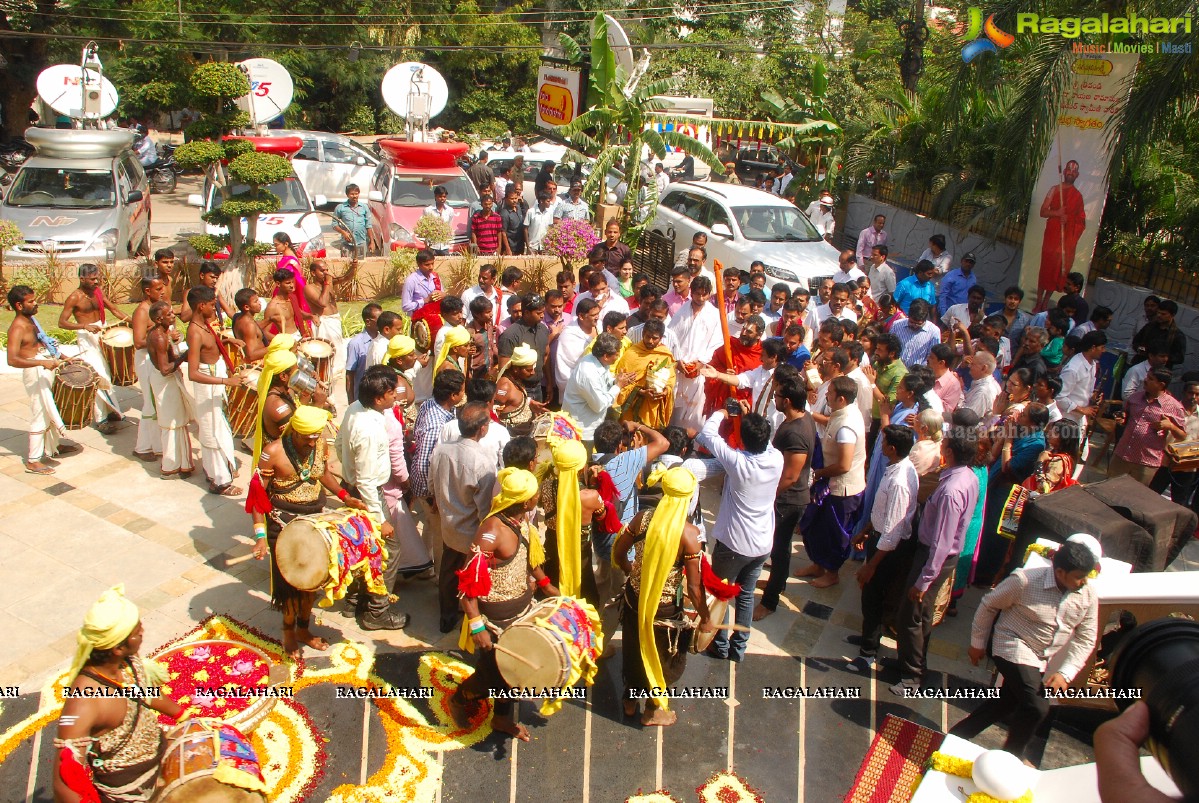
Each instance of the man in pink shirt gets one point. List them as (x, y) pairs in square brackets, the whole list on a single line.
[(948, 386), (680, 289)]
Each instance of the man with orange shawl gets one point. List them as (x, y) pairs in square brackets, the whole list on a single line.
[(665, 548), (649, 398), (747, 355)]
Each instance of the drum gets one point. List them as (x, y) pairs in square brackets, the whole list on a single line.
[(325, 551), (198, 665), (194, 752), (547, 429), (116, 343), (718, 610), (554, 637), (320, 352), (422, 336), (235, 353), (75, 385), (241, 402)]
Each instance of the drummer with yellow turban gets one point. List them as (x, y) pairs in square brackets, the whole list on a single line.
[(513, 405), (117, 739), (455, 351), (656, 636), (495, 591), (291, 479), (569, 509), (276, 398), (401, 355)]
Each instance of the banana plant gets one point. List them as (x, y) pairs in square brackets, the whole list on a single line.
[(817, 127)]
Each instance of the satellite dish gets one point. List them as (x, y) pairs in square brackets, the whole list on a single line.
[(271, 90), (77, 93), (618, 40), (406, 83)]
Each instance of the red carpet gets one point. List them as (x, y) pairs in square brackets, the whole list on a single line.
[(894, 763)]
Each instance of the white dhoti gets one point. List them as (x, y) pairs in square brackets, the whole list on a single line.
[(45, 427), (149, 437), (688, 403), (413, 552), (89, 351), (173, 414), (216, 438), (328, 327)]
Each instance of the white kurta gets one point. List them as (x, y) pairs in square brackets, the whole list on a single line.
[(45, 425), (174, 412), (216, 438), (571, 345), (149, 437), (698, 336), (89, 351)]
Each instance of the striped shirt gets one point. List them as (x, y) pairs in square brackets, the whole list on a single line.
[(916, 342), (1037, 620), (430, 420), (895, 504), (486, 230)]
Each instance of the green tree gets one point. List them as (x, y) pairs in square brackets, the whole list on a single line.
[(227, 162)]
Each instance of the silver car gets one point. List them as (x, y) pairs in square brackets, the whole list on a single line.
[(83, 196)]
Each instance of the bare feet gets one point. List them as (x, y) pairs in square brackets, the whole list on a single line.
[(811, 570), (656, 717), (290, 646), (632, 708), (34, 467), (761, 612), (511, 727), (462, 711), (307, 639), (826, 580)]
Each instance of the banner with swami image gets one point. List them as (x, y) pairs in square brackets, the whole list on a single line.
[(1067, 204)]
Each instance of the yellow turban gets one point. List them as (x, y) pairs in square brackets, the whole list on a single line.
[(518, 486), (282, 342), (523, 356), (570, 457), (307, 420), (661, 549), (399, 346), (275, 363), (454, 336), (109, 621)]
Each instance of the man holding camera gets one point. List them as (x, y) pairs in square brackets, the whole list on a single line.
[(1040, 612)]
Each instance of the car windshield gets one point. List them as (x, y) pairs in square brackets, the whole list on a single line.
[(63, 188), (289, 190), (417, 191), (775, 224)]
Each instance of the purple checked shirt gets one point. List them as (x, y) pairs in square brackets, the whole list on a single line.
[(947, 514)]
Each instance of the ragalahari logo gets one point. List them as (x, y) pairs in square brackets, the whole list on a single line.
[(983, 37)]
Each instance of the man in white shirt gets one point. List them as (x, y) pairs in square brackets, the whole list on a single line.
[(658, 311), (1078, 379), (972, 312), (870, 237), (538, 221), (847, 268), (661, 178), (984, 389), (783, 181), (592, 389), (936, 254), (573, 207), (599, 288), (890, 524), (820, 213), (496, 436), (838, 307), (881, 275), (574, 340), (696, 327), (488, 275), (1134, 380), (744, 528), (363, 447), (758, 381), (865, 398), (441, 209)]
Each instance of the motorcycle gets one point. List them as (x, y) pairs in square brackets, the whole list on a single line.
[(13, 154), (163, 175)]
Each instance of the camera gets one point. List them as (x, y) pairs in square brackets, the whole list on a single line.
[(732, 407), (1161, 659)]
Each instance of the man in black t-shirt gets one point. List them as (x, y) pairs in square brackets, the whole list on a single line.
[(796, 438), (531, 331)]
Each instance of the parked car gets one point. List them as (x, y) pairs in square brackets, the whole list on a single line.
[(402, 187), (297, 218), (751, 162), (82, 196), (328, 162), (743, 225), (532, 165)]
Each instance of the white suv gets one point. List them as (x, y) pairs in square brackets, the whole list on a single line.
[(744, 225)]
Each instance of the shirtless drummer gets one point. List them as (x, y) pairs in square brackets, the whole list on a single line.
[(88, 306), (283, 309), (25, 339)]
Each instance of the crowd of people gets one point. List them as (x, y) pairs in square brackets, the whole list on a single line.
[(867, 419)]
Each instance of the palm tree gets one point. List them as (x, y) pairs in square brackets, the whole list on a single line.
[(817, 127)]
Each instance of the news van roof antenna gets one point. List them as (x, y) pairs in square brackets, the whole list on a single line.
[(618, 40), (80, 92), (416, 93)]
